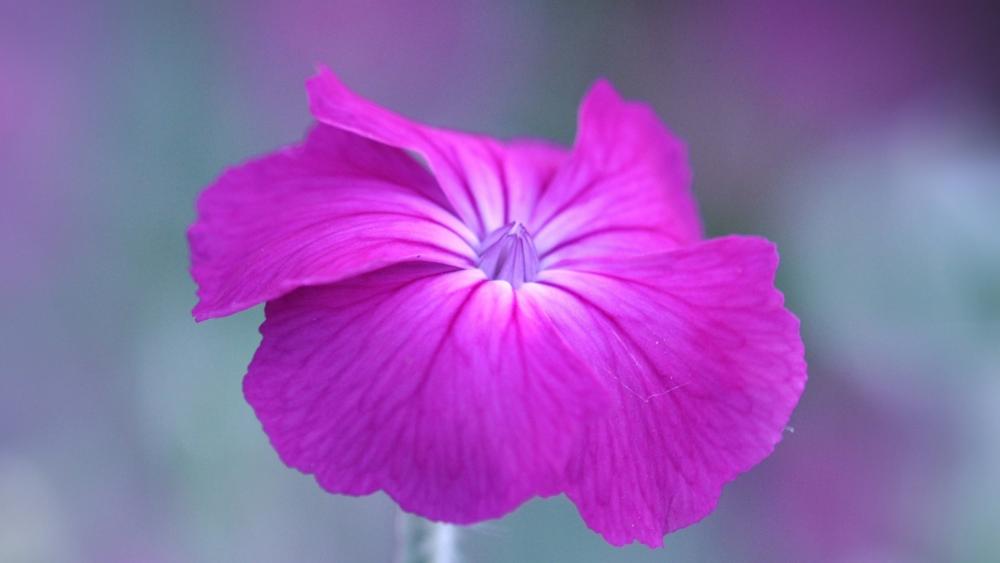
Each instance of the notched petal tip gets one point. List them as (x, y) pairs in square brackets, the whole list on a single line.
[(625, 190), (324, 82), (602, 88)]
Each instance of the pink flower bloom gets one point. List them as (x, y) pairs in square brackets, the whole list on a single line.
[(511, 320)]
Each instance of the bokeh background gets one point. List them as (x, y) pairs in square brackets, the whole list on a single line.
[(864, 137)]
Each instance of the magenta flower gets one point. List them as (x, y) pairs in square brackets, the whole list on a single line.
[(500, 320)]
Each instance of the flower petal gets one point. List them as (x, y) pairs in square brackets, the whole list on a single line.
[(450, 392), (334, 206), (625, 190), (488, 183), (708, 365)]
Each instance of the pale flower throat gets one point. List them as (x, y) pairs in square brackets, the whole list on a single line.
[(509, 254)]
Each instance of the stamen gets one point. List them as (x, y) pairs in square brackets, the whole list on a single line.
[(509, 254)]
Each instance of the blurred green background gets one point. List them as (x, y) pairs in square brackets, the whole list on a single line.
[(863, 137)]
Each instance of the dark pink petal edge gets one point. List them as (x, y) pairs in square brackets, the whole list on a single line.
[(708, 365), (452, 393), (331, 207)]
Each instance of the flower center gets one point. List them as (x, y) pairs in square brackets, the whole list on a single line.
[(509, 254)]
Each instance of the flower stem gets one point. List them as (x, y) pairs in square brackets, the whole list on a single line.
[(422, 541)]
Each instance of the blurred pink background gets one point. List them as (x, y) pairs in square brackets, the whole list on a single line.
[(864, 138)]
